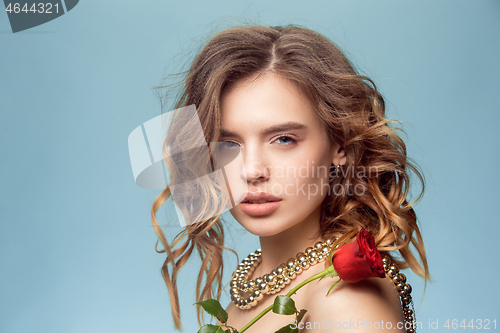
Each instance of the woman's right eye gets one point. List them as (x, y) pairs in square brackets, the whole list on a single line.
[(228, 145)]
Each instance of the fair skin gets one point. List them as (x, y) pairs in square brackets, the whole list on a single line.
[(286, 152)]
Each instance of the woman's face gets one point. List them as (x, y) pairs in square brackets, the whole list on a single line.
[(286, 153)]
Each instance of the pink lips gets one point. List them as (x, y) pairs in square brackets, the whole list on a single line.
[(259, 203)]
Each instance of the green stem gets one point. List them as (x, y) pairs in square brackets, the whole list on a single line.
[(256, 318), (290, 293)]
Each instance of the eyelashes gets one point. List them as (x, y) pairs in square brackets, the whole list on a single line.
[(228, 145), (289, 140), (282, 140)]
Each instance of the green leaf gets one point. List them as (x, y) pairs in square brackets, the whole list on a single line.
[(209, 328), (213, 308), (284, 305), (300, 315), (333, 285), (288, 329)]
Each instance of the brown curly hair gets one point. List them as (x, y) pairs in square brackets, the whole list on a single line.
[(354, 113)]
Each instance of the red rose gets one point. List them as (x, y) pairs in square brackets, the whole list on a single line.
[(358, 260)]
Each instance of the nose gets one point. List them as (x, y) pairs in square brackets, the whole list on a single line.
[(255, 166)]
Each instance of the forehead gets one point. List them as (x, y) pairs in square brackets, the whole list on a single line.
[(266, 100)]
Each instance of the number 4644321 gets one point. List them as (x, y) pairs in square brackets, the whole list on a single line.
[(477, 324), (41, 8)]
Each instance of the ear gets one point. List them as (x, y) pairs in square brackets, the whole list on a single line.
[(339, 156)]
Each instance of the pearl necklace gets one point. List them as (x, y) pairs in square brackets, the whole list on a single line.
[(246, 293), (404, 290), (254, 290)]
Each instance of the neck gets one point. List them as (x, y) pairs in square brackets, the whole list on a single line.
[(277, 249)]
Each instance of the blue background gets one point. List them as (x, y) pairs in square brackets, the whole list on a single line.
[(76, 241)]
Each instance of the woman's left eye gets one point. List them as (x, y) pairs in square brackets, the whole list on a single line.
[(285, 140)]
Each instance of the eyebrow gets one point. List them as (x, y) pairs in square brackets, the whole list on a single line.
[(271, 130)]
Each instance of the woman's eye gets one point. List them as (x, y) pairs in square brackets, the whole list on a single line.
[(285, 140), (228, 145)]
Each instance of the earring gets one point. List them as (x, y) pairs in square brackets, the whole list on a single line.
[(334, 171)]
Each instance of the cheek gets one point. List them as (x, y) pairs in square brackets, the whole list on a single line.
[(304, 177)]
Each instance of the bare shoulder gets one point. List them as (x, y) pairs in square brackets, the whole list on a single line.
[(370, 305)]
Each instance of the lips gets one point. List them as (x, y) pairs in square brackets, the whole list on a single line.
[(260, 198), (259, 203)]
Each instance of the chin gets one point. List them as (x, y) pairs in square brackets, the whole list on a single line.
[(261, 231), (262, 227)]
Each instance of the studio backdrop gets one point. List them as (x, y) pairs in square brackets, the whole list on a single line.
[(77, 246)]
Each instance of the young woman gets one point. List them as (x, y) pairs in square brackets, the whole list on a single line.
[(320, 163)]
